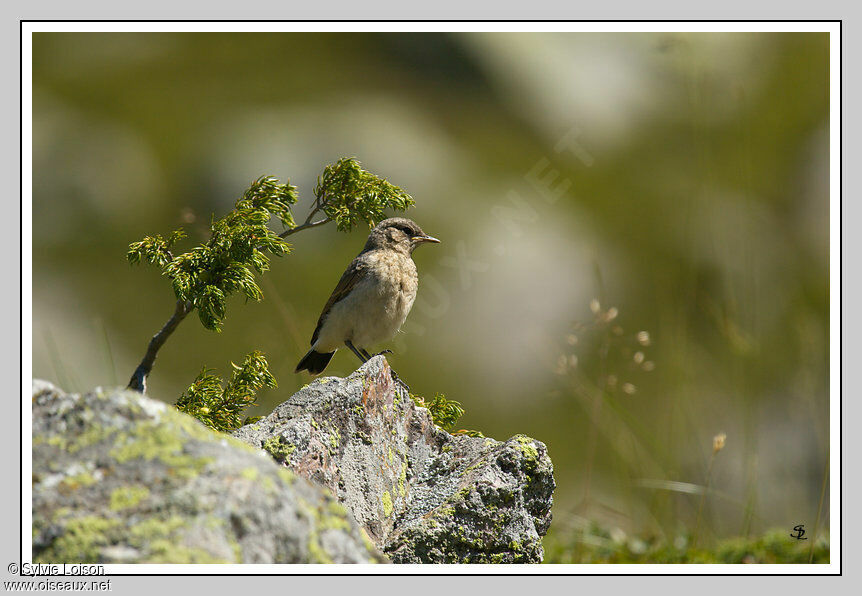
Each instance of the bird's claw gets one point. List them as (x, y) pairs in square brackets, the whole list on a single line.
[(383, 352), (398, 380)]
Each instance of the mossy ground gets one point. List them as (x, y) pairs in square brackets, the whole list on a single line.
[(596, 545)]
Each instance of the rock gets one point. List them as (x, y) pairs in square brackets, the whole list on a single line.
[(422, 494), (118, 477)]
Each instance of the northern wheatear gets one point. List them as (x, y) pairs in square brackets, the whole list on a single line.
[(372, 298)]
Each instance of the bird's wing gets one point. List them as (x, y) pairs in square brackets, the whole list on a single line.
[(355, 272)]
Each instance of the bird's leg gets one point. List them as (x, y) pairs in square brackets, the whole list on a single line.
[(364, 356), (392, 372), (353, 349), (398, 380), (369, 356)]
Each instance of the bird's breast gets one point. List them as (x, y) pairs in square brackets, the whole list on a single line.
[(397, 283), (376, 307), (394, 286)]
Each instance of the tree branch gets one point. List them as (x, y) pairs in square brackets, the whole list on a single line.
[(138, 382), (308, 224), (318, 205)]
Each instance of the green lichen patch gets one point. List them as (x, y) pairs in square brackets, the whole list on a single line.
[(462, 494), (369, 545), (90, 436), (81, 541), (154, 529), (386, 500), (161, 442), (328, 515), (250, 474), (287, 476), (126, 497), (167, 551), (161, 541), (279, 449), (332, 516), (77, 481), (316, 552), (268, 485), (402, 480), (527, 447)]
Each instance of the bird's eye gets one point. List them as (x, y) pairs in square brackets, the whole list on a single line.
[(406, 230)]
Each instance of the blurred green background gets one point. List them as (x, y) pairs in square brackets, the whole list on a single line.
[(586, 187)]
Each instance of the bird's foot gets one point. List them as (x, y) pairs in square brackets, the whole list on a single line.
[(398, 380), (383, 352)]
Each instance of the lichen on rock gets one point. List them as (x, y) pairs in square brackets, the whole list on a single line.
[(422, 494), (121, 478), (359, 470)]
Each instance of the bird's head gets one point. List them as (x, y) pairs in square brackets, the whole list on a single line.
[(397, 233)]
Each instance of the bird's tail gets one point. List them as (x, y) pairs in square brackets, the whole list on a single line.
[(314, 362)]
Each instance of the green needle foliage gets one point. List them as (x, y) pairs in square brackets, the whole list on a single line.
[(444, 412), (237, 249), (154, 250), (220, 406), (348, 194)]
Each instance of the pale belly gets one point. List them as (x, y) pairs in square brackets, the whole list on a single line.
[(372, 313)]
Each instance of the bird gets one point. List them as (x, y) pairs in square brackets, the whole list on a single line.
[(373, 296)]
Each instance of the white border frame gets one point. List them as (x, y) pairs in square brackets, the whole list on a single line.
[(835, 480)]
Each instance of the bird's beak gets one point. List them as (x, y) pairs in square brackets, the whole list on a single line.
[(420, 239)]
